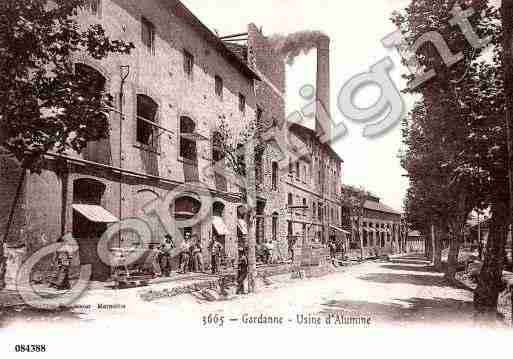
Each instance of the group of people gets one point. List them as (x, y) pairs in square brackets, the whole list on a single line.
[(190, 255)]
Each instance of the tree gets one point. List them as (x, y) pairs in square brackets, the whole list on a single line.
[(354, 199), (237, 165), (446, 182), (490, 282), (480, 99), (44, 106)]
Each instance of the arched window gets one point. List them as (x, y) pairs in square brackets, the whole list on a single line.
[(187, 139), (92, 80), (147, 111), (91, 83), (218, 209), (186, 207), (88, 191)]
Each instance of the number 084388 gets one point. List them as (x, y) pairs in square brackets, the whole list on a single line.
[(30, 348)]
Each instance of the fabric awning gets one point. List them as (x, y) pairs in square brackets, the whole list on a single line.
[(339, 229), (193, 136), (219, 226), (241, 224), (96, 214)]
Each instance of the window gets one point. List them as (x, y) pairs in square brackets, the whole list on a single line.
[(148, 35), (290, 200), (219, 86), (305, 206), (217, 147), (242, 102), (291, 168), (275, 226), (313, 210), (187, 139), (147, 111), (298, 170), (319, 210), (275, 176), (241, 160), (259, 116), (188, 63)]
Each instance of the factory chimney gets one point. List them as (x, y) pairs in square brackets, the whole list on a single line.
[(322, 118)]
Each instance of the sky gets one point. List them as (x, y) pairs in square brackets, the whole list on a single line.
[(356, 29)]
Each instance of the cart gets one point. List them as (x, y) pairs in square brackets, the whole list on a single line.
[(135, 274)]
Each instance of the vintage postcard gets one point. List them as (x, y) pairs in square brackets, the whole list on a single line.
[(228, 176)]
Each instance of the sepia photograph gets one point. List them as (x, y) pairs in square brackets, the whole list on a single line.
[(240, 178)]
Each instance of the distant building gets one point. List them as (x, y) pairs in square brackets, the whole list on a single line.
[(416, 242), (376, 229)]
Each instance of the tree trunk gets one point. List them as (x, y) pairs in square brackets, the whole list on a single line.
[(5, 237), (490, 282), (437, 249), (452, 259), (428, 244)]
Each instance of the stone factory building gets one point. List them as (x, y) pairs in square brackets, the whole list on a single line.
[(313, 188), (169, 94)]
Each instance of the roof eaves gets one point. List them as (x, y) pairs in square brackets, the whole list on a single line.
[(180, 10)]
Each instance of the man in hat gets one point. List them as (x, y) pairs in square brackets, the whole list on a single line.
[(164, 255), (62, 263), (333, 252), (242, 270), (185, 255), (197, 259), (215, 251)]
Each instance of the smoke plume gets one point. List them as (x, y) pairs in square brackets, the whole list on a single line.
[(293, 45)]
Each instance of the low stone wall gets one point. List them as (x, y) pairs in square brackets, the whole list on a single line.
[(152, 294)]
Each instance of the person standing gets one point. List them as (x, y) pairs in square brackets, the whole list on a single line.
[(242, 271), (197, 259), (164, 256), (62, 263), (292, 245), (333, 252), (185, 257), (215, 251)]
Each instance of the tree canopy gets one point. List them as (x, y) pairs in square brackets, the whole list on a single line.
[(45, 106)]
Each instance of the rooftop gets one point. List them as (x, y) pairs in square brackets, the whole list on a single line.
[(181, 11), (380, 207), (298, 126)]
